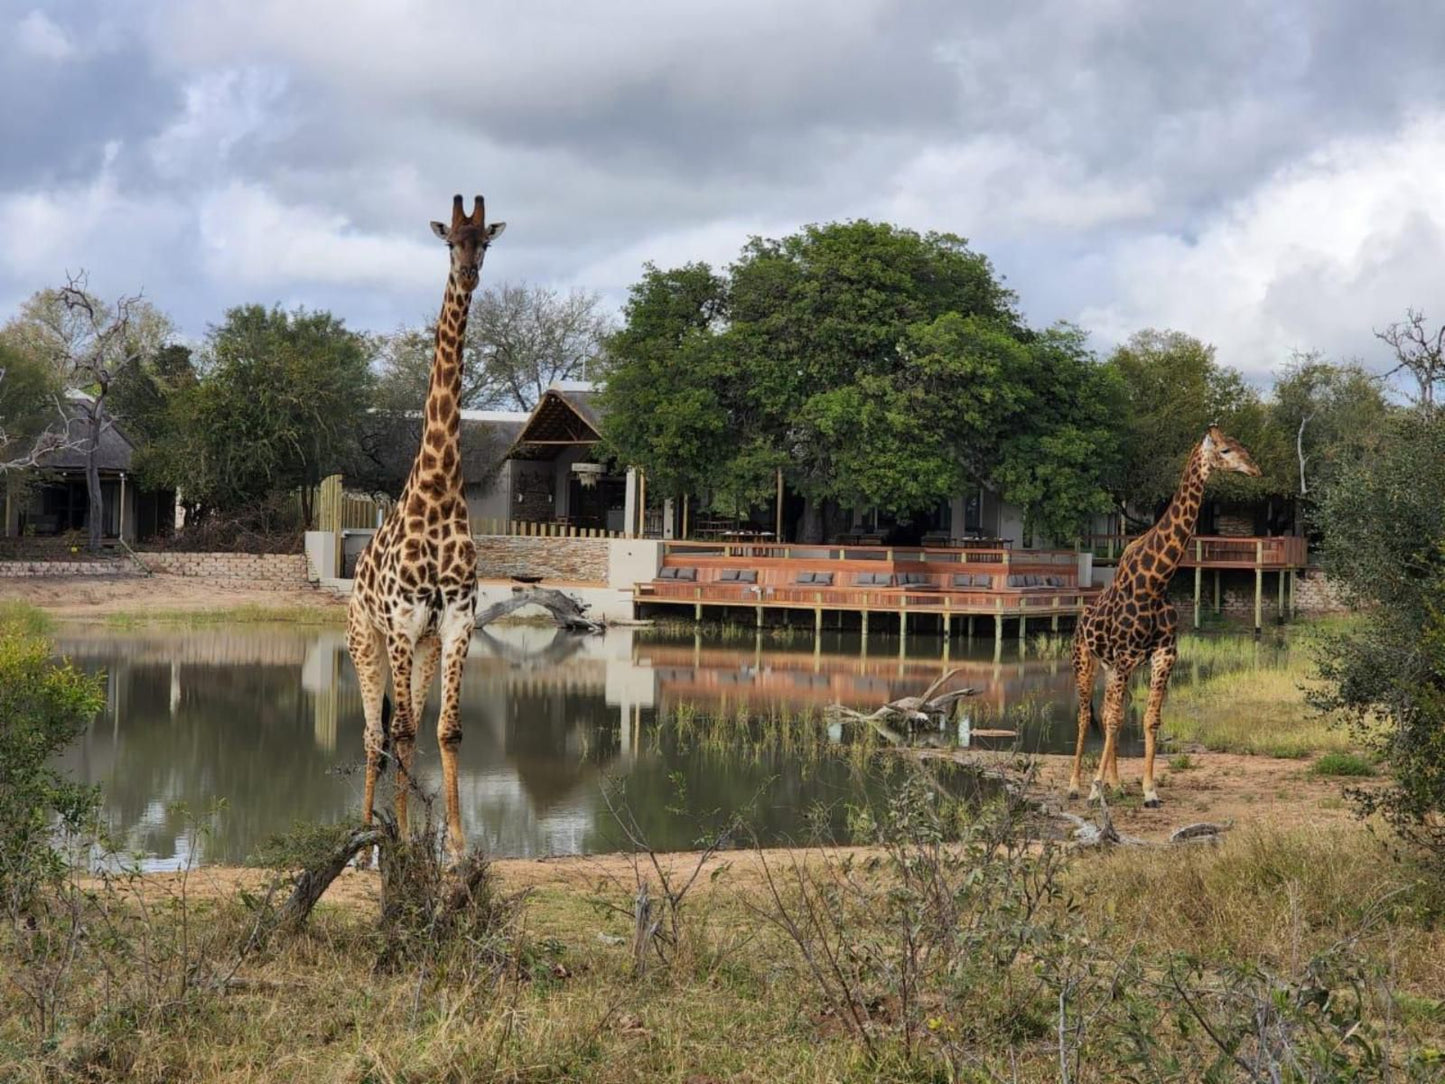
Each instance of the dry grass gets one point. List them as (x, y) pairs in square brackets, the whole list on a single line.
[(734, 1005)]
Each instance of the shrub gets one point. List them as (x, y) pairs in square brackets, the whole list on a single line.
[(43, 705)]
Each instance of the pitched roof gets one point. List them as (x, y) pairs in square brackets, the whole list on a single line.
[(567, 416), (115, 451)]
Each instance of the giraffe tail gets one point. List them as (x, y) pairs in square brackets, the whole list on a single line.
[(385, 733)]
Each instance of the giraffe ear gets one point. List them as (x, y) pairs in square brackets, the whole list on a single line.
[(495, 230), (440, 230), (1208, 442)]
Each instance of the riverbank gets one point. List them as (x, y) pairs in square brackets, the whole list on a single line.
[(162, 597)]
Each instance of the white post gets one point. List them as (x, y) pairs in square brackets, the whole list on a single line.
[(629, 504), (121, 531)]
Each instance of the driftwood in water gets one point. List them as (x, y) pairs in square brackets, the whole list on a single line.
[(566, 611), (930, 707)]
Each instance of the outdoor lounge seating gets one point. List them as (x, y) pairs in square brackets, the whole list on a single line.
[(738, 575), (816, 579), (672, 572), (874, 579), (980, 580), (918, 581)]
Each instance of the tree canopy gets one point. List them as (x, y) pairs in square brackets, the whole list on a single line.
[(278, 402), (876, 366)]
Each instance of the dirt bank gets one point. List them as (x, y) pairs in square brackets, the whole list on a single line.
[(1244, 790), (80, 597)]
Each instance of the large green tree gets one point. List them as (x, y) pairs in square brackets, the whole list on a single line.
[(31, 419), (279, 400), (1173, 390), (1383, 522), (878, 367)]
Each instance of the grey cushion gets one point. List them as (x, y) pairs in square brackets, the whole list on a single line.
[(739, 575), (672, 572), (822, 579), (874, 579)]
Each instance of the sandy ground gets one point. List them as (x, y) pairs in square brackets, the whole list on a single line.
[(79, 597), (1223, 788)]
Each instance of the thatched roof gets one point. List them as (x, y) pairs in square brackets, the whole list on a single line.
[(565, 417), (116, 449)]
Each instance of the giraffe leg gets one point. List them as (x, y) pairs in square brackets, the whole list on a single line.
[(402, 650), (1115, 684), (449, 724), (424, 672), (1163, 663), (1084, 667), (368, 656)]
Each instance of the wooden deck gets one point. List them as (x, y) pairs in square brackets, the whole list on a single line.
[(1218, 551), (948, 583)]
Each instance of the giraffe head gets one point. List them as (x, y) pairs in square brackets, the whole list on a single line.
[(468, 238), (1222, 453)]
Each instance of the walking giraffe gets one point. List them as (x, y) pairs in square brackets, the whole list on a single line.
[(1133, 619), (413, 599)]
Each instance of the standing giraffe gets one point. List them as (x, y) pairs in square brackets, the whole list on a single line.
[(1133, 619), (414, 595)]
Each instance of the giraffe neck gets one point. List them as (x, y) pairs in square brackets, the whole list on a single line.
[(1167, 539), (438, 465)]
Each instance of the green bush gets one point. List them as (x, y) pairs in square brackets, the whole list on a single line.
[(43, 705), (1342, 764)]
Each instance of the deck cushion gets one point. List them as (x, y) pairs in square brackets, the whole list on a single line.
[(874, 579), (822, 579), (739, 575), (673, 572)]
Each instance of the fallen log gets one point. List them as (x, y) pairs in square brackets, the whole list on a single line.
[(567, 612), (312, 882)]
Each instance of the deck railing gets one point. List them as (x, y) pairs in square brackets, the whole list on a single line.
[(538, 529), (1219, 551), (993, 559)]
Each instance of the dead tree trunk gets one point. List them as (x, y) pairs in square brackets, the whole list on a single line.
[(312, 883), (566, 611)]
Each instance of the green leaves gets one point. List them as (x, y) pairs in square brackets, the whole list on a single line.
[(876, 366)]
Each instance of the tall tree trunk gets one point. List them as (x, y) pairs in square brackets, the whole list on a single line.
[(92, 479), (812, 528)]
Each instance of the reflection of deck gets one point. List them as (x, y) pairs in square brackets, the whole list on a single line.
[(713, 675)]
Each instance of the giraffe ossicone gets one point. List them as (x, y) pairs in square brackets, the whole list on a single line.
[(1132, 621), (414, 592)]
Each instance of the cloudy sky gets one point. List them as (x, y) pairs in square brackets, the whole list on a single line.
[(1268, 176)]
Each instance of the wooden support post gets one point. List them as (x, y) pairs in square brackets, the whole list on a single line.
[(1258, 586), (903, 629), (818, 616), (1281, 594), (1054, 621), (1023, 627), (759, 616), (697, 606), (969, 628), (1293, 587), (684, 515), (1218, 599), (778, 517)]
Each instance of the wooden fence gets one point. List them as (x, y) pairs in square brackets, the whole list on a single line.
[(538, 529)]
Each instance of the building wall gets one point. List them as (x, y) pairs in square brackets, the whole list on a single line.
[(270, 571), (490, 503), (576, 560), (1315, 594)]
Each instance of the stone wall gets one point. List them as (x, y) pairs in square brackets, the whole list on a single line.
[(66, 568), (266, 571), (1315, 594), (571, 560)]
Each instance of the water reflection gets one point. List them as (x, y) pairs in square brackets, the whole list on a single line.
[(262, 718)]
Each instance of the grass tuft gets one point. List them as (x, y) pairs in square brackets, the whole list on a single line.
[(1351, 764)]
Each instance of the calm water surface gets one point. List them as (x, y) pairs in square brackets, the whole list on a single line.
[(269, 720)]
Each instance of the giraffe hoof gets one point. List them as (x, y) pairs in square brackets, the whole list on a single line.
[(1073, 793), (1152, 803)]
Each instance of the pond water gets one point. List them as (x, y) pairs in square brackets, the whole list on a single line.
[(268, 722)]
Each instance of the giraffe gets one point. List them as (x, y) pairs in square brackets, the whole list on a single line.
[(413, 599), (1133, 620)]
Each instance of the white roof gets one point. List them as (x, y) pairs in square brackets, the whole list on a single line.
[(495, 415)]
